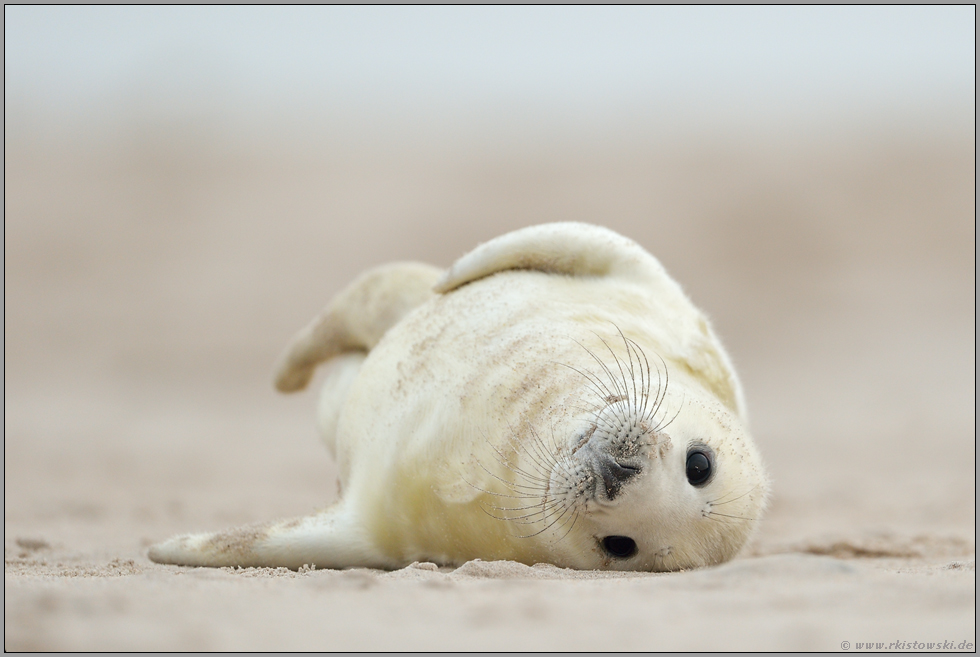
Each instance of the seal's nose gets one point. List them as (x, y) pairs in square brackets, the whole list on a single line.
[(614, 474)]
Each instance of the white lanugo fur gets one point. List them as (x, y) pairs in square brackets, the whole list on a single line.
[(553, 397)]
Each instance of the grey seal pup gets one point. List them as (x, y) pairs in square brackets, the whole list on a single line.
[(552, 397)]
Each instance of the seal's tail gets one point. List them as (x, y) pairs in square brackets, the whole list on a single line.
[(329, 539), (356, 319)]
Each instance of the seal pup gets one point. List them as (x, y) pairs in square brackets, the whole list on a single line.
[(553, 397)]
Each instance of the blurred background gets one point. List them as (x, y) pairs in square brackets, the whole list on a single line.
[(186, 187)]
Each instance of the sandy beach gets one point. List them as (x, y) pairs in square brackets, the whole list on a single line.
[(151, 280)]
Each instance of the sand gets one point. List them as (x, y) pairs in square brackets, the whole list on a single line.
[(151, 279)]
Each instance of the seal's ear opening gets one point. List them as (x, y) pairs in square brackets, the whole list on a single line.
[(570, 248)]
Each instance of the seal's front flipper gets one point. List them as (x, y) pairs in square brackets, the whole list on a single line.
[(356, 319), (569, 248), (329, 539)]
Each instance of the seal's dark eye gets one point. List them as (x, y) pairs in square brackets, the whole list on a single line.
[(698, 468), (621, 547)]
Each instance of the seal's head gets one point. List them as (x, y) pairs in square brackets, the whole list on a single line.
[(658, 475)]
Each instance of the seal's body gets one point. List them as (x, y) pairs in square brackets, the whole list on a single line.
[(553, 397)]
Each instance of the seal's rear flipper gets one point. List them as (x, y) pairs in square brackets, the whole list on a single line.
[(356, 319), (329, 539), (569, 248)]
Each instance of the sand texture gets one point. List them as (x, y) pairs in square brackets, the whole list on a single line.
[(151, 280)]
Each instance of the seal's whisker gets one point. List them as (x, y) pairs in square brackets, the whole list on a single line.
[(494, 493), (530, 482), (544, 470), (546, 514), (549, 526), (522, 519), (588, 406), (511, 497), (517, 500), (510, 485), (645, 387), (535, 493), (661, 427), (599, 419), (592, 409), (663, 382), (637, 401), (532, 494), (656, 399), (596, 417), (536, 517), (571, 526), (512, 467), (509, 518), (726, 515), (522, 522), (542, 457), (643, 365), (518, 508), (612, 352), (666, 382), (601, 390), (722, 520), (619, 365), (634, 402), (611, 378), (717, 503), (538, 463), (605, 368), (561, 460)]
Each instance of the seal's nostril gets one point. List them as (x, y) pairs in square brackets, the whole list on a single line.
[(614, 474)]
